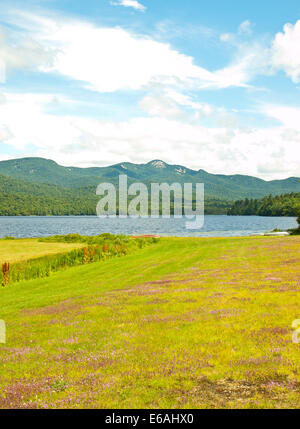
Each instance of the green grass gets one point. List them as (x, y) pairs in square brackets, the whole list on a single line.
[(23, 249), (185, 323), (95, 249)]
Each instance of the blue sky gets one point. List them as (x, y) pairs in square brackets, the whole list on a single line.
[(212, 85)]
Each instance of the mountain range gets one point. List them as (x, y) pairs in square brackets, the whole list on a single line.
[(229, 187), (41, 186)]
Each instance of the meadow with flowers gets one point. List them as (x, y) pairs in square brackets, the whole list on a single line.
[(176, 323)]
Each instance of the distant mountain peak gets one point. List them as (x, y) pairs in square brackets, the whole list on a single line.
[(157, 163)]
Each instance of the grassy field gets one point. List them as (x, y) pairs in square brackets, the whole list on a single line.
[(185, 323), (20, 250)]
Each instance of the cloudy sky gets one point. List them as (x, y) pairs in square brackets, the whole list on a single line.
[(212, 85)]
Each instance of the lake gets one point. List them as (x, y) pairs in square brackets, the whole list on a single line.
[(214, 226)]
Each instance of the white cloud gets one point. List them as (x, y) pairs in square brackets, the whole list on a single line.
[(213, 149), (174, 105), (130, 3), (288, 116), (252, 56), (286, 51), (169, 29), (183, 99), (71, 140), (161, 106), (226, 37), (117, 59), (245, 28), (23, 118), (110, 59), (5, 133), (22, 52)]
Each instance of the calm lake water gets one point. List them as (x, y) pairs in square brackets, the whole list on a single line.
[(214, 226)]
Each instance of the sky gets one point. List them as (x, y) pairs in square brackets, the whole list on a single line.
[(208, 85)]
